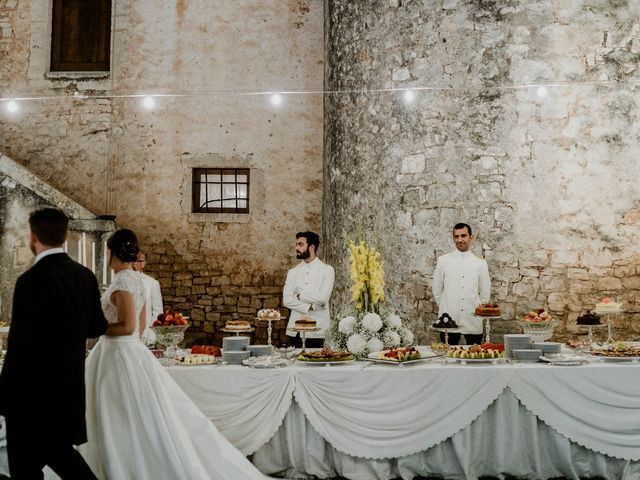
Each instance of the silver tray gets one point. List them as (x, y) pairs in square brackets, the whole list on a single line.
[(406, 362), (276, 363), (478, 360), (615, 359), (322, 362)]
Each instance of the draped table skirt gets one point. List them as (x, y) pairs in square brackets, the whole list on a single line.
[(384, 421), (371, 422)]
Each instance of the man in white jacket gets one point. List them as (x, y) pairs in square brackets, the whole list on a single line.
[(153, 297), (460, 283), (307, 290)]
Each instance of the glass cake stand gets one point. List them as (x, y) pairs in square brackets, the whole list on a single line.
[(607, 321), (270, 327), (591, 328), (303, 333), (237, 332), (446, 332), (486, 321)]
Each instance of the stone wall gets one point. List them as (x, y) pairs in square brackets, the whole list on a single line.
[(21, 192), (546, 176), (115, 157)]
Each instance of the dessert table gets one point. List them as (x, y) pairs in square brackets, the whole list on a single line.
[(368, 421), (363, 421)]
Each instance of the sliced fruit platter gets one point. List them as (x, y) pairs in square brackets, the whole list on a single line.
[(401, 354), (486, 351), (325, 355)]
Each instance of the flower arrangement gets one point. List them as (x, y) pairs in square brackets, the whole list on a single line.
[(367, 327)]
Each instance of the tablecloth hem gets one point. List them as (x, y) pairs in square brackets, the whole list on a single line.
[(396, 454), (583, 444)]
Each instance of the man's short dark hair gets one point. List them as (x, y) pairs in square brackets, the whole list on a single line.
[(49, 225), (312, 239), (458, 226)]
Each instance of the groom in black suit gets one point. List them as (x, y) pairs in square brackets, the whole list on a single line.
[(56, 307)]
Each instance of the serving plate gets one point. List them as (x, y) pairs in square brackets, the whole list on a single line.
[(604, 358), (325, 362), (263, 362), (478, 360)]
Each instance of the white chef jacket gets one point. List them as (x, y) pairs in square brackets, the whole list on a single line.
[(314, 282), (153, 299), (460, 283)]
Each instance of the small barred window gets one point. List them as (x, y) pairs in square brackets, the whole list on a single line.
[(220, 190)]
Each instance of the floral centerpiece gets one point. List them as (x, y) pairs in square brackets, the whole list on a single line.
[(367, 326)]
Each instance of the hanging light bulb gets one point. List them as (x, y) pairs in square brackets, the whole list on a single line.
[(12, 106), (148, 102), (409, 95), (276, 99)]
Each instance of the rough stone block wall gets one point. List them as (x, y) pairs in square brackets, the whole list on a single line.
[(114, 157), (211, 294), (547, 176)]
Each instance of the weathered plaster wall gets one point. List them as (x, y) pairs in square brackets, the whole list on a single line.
[(115, 157), (21, 192), (548, 178)]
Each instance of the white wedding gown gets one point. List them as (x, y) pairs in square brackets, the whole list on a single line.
[(140, 424)]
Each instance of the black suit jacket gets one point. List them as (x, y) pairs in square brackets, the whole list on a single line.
[(56, 307)]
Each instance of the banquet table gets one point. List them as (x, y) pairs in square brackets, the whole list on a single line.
[(371, 421), (368, 421)]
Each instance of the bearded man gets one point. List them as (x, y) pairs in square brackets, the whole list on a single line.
[(307, 290)]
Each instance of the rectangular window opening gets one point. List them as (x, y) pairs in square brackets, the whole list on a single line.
[(220, 190), (81, 36)]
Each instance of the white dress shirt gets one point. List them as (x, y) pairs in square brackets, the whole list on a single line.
[(306, 292), (460, 283), (44, 253), (153, 297)]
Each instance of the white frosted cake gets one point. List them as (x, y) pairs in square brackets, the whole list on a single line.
[(608, 306)]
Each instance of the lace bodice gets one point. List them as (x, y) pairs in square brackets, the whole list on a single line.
[(128, 281)]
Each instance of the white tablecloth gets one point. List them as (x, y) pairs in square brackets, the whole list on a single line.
[(382, 422), (382, 419)]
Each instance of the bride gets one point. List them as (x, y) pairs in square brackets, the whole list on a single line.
[(140, 424)]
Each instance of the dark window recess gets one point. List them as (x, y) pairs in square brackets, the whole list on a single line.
[(220, 190), (81, 36)]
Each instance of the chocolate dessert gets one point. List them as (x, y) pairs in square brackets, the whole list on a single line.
[(445, 321), (588, 319)]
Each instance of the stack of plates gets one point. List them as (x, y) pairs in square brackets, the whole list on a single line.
[(259, 350), (527, 355), (235, 343), (234, 358), (516, 342), (548, 347)]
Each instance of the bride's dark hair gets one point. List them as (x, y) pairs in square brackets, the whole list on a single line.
[(124, 245)]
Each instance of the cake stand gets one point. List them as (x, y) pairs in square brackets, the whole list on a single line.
[(269, 327), (446, 332), (607, 317), (303, 332), (238, 332), (486, 321), (590, 328), (169, 337)]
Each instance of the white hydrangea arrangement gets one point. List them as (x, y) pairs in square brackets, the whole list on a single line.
[(367, 327), (363, 332)]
